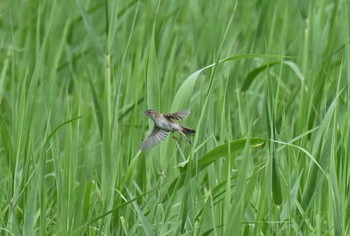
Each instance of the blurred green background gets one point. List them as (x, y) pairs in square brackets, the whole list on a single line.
[(268, 86)]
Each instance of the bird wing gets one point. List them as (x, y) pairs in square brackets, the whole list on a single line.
[(178, 115), (154, 138)]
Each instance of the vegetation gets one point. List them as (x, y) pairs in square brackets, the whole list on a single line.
[(268, 86)]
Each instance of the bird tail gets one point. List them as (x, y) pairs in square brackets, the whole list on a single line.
[(186, 130)]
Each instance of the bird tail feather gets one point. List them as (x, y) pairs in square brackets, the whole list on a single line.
[(186, 130)]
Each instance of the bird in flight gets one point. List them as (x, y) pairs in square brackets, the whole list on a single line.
[(163, 124)]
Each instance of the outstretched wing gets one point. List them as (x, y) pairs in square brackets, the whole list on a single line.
[(178, 115), (154, 138)]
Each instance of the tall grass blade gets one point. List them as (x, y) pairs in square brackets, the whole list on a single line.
[(97, 106)]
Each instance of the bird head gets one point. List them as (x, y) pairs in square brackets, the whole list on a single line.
[(151, 113)]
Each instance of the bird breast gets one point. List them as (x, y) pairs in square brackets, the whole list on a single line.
[(167, 125)]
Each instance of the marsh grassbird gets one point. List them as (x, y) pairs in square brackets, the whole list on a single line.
[(163, 124)]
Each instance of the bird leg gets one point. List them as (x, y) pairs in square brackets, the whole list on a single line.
[(175, 138), (189, 141)]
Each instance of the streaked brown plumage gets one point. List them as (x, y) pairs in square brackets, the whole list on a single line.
[(163, 124)]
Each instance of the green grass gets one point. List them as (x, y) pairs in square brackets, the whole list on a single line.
[(268, 86)]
